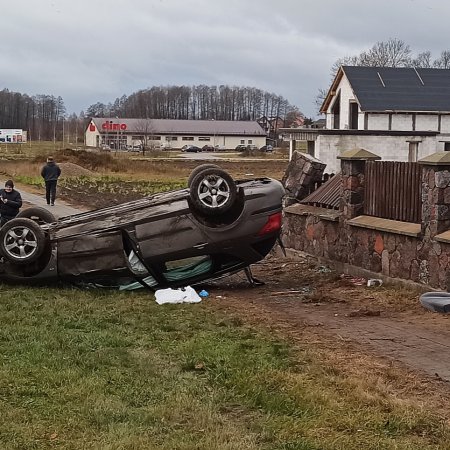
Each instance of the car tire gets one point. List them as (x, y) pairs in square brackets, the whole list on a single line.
[(22, 241), (39, 215), (213, 192), (198, 169)]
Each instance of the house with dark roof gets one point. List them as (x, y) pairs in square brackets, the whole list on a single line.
[(400, 114), (166, 133)]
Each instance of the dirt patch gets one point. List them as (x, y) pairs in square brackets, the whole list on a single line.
[(69, 169), (300, 298)]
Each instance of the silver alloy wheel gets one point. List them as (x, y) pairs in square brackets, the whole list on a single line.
[(213, 191), (20, 242)]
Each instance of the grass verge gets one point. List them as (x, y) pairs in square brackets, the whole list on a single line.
[(111, 370)]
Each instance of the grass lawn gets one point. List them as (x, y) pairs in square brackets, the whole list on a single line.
[(108, 370)]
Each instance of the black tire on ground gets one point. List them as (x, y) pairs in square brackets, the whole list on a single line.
[(213, 192), (198, 169), (22, 241), (38, 214)]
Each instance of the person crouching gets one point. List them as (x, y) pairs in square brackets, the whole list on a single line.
[(10, 202)]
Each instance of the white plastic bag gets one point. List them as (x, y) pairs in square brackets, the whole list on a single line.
[(181, 295)]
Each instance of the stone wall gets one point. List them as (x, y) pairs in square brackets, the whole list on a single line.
[(389, 249), (386, 253)]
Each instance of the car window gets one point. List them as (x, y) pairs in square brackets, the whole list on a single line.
[(182, 269)]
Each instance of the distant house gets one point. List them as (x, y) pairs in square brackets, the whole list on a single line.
[(400, 114), (167, 133), (272, 126)]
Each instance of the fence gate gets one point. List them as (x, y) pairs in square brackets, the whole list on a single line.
[(393, 190)]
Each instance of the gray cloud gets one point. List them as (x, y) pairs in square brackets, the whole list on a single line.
[(97, 50)]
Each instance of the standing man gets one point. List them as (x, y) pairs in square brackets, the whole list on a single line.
[(10, 202), (50, 173)]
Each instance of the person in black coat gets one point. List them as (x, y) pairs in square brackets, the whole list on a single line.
[(50, 173), (10, 202)]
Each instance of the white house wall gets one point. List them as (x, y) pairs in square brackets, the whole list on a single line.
[(389, 148), (91, 137), (427, 122), (346, 93), (445, 124), (377, 122), (402, 122)]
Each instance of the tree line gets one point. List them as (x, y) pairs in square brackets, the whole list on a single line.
[(40, 115), (196, 103), (391, 53)]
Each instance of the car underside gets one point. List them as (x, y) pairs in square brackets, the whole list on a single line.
[(214, 227)]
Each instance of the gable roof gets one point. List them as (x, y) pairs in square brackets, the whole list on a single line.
[(172, 126), (379, 89)]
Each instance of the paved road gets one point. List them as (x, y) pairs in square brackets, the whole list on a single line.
[(202, 156), (60, 209)]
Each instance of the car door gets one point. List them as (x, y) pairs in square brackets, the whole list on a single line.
[(169, 234)]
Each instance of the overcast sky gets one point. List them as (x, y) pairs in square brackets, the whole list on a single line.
[(89, 51)]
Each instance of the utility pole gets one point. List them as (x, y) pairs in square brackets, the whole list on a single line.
[(117, 145)]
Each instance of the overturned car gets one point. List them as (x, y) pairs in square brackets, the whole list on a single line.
[(215, 227)]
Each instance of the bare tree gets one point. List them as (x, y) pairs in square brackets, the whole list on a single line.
[(443, 62), (147, 137), (392, 53), (320, 98), (346, 61), (423, 60)]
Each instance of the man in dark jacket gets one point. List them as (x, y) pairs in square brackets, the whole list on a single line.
[(10, 202), (50, 173)]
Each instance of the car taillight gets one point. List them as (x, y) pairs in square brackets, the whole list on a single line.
[(273, 224)]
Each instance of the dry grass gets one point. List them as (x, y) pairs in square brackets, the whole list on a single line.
[(137, 168)]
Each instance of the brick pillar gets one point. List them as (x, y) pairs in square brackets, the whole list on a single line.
[(435, 194), (353, 167)]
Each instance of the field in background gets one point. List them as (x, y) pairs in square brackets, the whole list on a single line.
[(26, 160)]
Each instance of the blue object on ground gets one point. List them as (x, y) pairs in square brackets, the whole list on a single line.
[(203, 293), (436, 301)]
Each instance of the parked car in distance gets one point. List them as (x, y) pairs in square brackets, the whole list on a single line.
[(191, 149), (241, 147), (266, 148), (208, 148), (134, 148), (214, 227)]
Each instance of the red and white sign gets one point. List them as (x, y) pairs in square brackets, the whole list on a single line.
[(110, 126)]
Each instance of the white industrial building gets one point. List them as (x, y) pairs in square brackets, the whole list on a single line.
[(172, 134), (400, 114)]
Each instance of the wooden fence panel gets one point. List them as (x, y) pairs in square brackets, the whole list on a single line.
[(393, 190)]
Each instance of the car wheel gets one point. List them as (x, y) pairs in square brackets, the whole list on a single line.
[(198, 169), (213, 191), (39, 215), (22, 241)]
